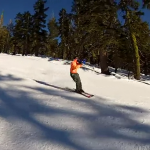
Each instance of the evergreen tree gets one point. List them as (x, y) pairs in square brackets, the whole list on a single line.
[(26, 32), (4, 38), (131, 7), (52, 43), (17, 34), (9, 28), (64, 27), (39, 24), (92, 31), (95, 20)]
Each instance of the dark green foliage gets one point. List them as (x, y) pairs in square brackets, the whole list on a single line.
[(64, 31), (39, 21), (22, 33), (52, 41), (92, 30)]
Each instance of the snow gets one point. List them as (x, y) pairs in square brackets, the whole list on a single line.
[(37, 116)]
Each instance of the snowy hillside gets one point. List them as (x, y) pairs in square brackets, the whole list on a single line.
[(36, 115)]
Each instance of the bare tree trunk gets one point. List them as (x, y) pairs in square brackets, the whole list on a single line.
[(136, 50), (15, 49), (145, 66), (103, 63), (137, 57), (36, 50)]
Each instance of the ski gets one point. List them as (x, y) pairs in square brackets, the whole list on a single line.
[(83, 93), (66, 89), (86, 94)]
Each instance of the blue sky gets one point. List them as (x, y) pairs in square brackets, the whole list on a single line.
[(12, 7)]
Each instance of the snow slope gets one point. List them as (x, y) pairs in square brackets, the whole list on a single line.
[(36, 116)]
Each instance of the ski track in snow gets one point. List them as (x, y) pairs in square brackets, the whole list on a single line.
[(35, 116)]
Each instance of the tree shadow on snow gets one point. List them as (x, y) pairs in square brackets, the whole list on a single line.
[(53, 59), (9, 77), (105, 126)]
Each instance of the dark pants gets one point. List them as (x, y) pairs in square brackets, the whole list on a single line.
[(76, 78)]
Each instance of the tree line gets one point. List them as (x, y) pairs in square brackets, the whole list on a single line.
[(92, 30)]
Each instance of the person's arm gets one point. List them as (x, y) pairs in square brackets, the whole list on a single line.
[(79, 65), (75, 65)]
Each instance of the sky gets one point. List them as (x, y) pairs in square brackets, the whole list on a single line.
[(12, 7)]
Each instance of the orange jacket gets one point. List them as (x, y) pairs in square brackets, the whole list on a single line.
[(74, 66)]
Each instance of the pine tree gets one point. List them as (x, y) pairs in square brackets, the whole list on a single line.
[(26, 32), (95, 22), (126, 6), (4, 37), (17, 34), (64, 32), (52, 43), (39, 24), (10, 28)]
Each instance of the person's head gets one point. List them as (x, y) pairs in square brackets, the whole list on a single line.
[(76, 57)]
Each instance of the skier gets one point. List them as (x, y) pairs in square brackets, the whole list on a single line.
[(75, 64)]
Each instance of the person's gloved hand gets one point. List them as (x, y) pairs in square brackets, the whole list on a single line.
[(84, 61), (79, 61)]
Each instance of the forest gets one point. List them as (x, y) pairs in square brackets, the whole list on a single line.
[(92, 31)]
